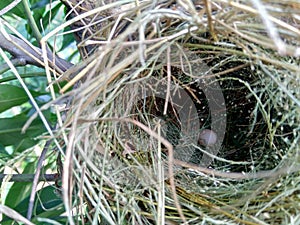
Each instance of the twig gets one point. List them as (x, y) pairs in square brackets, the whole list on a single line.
[(31, 21), (28, 177), (31, 54), (36, 179), (16, 62), (14, 215)]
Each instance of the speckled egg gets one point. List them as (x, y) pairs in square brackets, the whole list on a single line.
[(207, 137)]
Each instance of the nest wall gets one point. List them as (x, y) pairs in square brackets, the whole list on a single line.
[(145, 52)]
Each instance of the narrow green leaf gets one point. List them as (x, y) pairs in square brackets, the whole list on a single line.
[(26, 143), (68, 39), (17, 10), (48, 204), (3, 154), (48, 17), (11, 131), (37, 4), (20, 190), (10, 96)]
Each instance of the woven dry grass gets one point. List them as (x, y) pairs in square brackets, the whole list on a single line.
[(127, 159)]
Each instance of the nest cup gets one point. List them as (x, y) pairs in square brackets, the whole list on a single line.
[(254, 128)]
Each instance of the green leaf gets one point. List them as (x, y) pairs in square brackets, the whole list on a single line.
[(26, 75), (10, 96), (25, 144), (3, 154), (49, 16), (17, 10), (20, 190), (42, 16), (68, 39), (48, 200), (38, 4), (11, 132), (48, 204)]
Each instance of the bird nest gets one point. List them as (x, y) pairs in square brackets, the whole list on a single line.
[(185, 111)]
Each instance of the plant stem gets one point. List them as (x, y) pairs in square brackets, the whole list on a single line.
[(28, 177), (37, 34)]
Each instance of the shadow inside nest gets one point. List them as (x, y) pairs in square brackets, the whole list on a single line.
[(246, 138)]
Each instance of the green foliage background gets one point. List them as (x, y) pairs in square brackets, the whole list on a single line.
[(19, 151)]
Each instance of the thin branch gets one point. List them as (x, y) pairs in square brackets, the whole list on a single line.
[(16, 62), (14, 215), (30, 54), (37, 34), (28, 177), (36, 179)]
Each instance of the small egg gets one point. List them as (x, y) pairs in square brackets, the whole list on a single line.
[(207, 137)]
